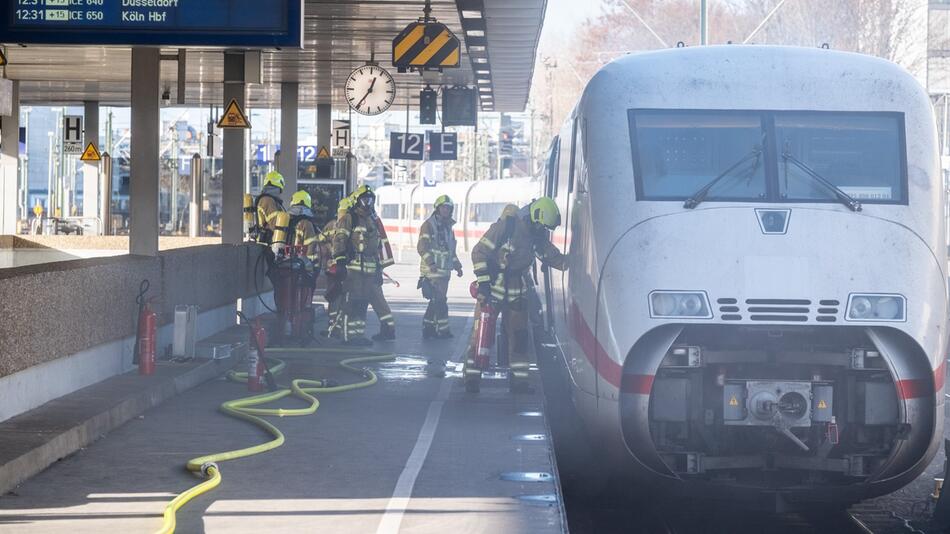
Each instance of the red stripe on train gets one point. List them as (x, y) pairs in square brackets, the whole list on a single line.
[(594, 351), (915, 388)]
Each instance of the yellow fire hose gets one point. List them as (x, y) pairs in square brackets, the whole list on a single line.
[(246, 409)]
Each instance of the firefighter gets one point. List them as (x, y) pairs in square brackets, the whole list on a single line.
[(296, 274), (334, 293), (306, 237), (356, 251), (268, 206), (438, 259), (501, 260)]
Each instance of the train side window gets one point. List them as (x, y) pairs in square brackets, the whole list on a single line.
[(487, 212), (574, 145), (581, 178), (389, 211), (553, 164)]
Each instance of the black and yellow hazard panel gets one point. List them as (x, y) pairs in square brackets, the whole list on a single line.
[(426, 46), (3, 59)]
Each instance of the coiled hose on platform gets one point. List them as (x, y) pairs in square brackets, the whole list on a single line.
[(248, 409)]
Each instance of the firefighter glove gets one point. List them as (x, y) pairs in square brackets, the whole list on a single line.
[(458, 271), (484, 289)]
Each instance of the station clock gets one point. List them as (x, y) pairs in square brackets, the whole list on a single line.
[(370, 90)]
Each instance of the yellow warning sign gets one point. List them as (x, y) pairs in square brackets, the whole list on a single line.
[(324, 153), (733, 401), (91, 153), (822, 405), (38, 210), (234, 117), (3, 59)]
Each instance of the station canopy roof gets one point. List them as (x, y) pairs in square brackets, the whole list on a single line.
[(499, 38)]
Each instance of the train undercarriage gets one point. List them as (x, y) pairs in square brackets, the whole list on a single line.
[(807, 407)]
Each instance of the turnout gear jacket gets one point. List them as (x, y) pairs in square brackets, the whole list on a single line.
[(357, 240), (325, 238), (305, 233), (437, 248), (507, 251), (268, 206)]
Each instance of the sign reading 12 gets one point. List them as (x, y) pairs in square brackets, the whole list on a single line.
[(370, 90)]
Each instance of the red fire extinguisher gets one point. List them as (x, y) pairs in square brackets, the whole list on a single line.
[(148, 331), (255, 357), (487, 316)]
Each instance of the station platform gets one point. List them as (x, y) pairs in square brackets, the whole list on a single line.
[(411, 454)]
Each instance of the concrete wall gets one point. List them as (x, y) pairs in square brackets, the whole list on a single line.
[(55, 310)]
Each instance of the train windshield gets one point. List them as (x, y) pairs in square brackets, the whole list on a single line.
[(679, 152), (858, 153), (682, 152)]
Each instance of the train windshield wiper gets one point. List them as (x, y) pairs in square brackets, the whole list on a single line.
[(700, 195), (840, 195)]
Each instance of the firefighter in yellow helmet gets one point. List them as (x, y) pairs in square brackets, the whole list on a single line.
[(334, 293), (502, 260), (268, 205), (438, 258), (305, 235), (356, 250)]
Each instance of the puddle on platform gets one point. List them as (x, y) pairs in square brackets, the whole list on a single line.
[(527, 476), (403, 368), (530, 437), (546, 499), (530, 414)]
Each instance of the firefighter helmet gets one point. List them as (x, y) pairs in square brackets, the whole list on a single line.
[(301, 197), (443, 200), (275, 179), (364, 196), (544, 212)]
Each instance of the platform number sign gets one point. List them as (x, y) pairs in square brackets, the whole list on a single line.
[(72, 134), (443, 146), (407, 146)]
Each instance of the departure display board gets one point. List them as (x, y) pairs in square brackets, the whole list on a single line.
[(224, 23)]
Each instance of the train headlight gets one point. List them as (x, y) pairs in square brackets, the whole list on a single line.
[(675, 304), (865, 307)]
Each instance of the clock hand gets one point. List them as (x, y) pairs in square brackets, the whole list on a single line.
[(371, 84)]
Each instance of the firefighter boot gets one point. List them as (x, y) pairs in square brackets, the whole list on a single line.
[(387, 332), (435, 367), (428, 331)]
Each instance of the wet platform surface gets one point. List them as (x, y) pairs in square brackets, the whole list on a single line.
[(411, 454)]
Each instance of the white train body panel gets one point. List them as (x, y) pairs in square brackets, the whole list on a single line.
[(769, 295)]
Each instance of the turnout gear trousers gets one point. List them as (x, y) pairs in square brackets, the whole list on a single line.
[(357, 242)]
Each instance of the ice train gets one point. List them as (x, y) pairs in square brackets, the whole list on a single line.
[(756, 305)]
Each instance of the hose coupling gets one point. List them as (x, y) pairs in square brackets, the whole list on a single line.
[(206, 467)]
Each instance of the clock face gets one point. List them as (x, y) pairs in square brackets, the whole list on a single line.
[(370, 90)]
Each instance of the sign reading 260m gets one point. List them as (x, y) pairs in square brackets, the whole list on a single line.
[(245, 23)]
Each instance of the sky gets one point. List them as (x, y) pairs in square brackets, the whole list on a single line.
[(564, 16)]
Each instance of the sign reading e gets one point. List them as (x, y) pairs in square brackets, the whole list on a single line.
[(443, 146)]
